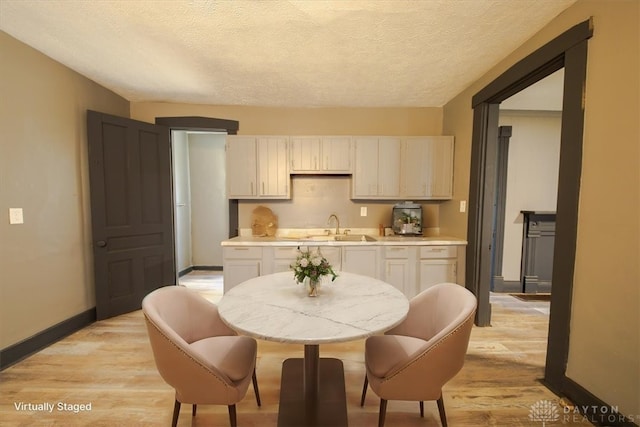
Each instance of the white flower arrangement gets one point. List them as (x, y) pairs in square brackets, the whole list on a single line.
[(313, 265)]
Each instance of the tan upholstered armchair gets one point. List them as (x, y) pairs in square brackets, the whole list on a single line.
[(196, 353), (415, 359)]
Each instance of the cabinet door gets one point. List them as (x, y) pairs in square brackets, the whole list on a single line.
[(397, 273), (377, 168), (277, 259), (434, 271), (365, 174), (305, 154), (280, 265), (333, 255), (237, 271), (336, 154), (427, 167), (282, 257), (388, 167), (241, 167), (273, 167), (360, 260), (416, 166), (441, 167)]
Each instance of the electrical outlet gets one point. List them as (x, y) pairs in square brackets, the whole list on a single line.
[(463, 205), (363, 211), (15, 216)]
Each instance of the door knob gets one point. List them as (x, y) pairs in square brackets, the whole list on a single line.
[(101, 243)]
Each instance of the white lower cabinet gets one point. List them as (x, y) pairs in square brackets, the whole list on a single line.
[(240, 263), (411, 269), (399, 267), (333, 255), (437, 264), (362, 260), (282, 258), (279, 258)]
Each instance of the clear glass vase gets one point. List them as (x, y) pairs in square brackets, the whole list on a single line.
[(313, 287)]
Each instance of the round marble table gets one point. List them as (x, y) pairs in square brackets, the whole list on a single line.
[(275, 308)]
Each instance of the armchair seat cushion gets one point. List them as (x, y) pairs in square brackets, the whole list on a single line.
[(384, 354), (232, 355)]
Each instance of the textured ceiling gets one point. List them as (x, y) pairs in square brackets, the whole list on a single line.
[(416, 53)]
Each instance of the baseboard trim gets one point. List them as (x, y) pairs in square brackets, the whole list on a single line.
[(185, 271), (28, 346), (199, 267), (506, 286), (593, 409), (588, 409), (208, 267)]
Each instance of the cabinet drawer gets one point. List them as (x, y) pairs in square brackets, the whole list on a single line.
[(242, 252), (438, 252), (289, 252), (396, 252)]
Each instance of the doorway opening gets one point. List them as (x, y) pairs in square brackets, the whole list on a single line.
[(527, 167), (199, 195), (201, 208), (568, 51)]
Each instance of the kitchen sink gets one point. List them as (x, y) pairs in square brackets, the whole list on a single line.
[(354, 238), (321, 238), (341, 238)]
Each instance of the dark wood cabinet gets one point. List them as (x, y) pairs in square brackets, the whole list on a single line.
[(537, 251)]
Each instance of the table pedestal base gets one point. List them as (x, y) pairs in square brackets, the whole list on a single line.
[(328, 408)]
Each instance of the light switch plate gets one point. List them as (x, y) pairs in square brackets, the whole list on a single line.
[(15, 216), (463, 205), (363, 211)]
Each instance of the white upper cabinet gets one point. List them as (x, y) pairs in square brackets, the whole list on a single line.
[(241, 167), (383, 167), (376, 173), (365, 173), (427, 167), (321, 154), (441, 176), (389, 167), (273, 167), (257, 167)]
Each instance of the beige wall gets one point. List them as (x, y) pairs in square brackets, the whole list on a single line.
[(604, 342), (310, 121), (45, 263), (314, 198)]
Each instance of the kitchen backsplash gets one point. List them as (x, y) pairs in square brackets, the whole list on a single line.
[(314, 198)]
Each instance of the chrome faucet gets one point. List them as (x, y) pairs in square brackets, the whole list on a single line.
[(337, 222)]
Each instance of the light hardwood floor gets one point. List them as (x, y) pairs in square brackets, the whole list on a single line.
[(110, 366)]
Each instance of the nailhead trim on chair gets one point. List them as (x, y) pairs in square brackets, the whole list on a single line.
[(443, 339), (226, 385)]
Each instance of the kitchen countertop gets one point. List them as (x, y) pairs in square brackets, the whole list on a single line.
[(319, 241)]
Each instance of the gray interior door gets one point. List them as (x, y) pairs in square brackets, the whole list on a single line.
[(131, 211)]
